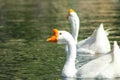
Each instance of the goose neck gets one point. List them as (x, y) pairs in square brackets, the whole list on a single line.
[(69, 69)]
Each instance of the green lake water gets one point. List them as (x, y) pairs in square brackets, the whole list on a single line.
[(26, 24)]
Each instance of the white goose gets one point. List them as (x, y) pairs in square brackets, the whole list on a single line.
[(106, 66), (94, 43)]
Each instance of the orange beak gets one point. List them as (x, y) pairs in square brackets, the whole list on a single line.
[(54, 37)]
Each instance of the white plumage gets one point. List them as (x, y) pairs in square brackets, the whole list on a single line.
[(96, 44), (106, 66)]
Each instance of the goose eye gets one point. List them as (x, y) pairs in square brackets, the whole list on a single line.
[(60, 33)]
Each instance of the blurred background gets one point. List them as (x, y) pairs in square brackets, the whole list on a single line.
[(26, 24)]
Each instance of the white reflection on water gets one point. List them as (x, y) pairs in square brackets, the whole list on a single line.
[(67, 78)]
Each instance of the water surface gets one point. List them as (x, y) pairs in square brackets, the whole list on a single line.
[(26, 24)]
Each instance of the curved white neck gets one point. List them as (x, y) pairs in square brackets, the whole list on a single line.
[(69, 69), (75, 24), (75, 31)]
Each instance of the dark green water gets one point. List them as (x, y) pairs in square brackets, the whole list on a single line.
[(26, 24)]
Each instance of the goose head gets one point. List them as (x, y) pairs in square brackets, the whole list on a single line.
[(71, 12), (72, 15), (60, 37)]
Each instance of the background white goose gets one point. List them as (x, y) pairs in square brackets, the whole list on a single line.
[(92, 69), (94, 43)]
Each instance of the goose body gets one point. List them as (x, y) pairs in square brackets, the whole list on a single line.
[(113, 69), (100, 67), (94, 43), (106, 66), (97, 43)]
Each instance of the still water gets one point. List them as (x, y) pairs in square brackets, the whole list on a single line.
[(26, 24)]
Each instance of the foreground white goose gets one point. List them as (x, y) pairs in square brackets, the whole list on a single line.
[(106, 66), (94, 43)]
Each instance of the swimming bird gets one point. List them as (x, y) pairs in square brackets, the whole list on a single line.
[(106, 66), (94, 43)]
